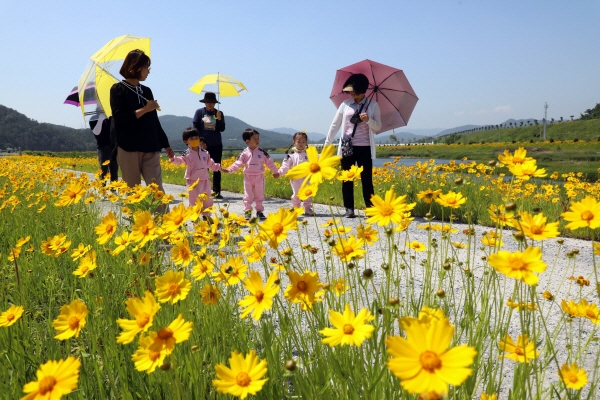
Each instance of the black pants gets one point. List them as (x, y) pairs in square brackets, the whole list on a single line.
[(216, 153), (361, 157), (106, 153)]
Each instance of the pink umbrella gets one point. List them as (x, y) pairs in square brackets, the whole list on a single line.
[(387, 86)]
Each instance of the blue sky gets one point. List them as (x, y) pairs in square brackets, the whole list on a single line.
[(470, 62)]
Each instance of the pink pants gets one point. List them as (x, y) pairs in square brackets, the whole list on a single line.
[(296, 185), (254, 191), (202, 187)]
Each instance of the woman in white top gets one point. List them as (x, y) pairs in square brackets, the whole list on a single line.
[(358, 119)]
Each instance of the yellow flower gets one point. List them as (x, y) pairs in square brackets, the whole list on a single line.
[(146, 357), (535, 227), (339, 286), (349, 329), (367, 233), (589, 311), (181, 254), (274, 229), (145, 258), (71, 320), (451, 199), (417, 246), (596, 247), (303, 288), (80, 251), (519, 157), (144, 228), (318, 167), (352, 174), (178, 331), (22, 241), (485, 396), (10, 316), (308, 191), (172, 287), (428, 195), (86, 264), (107, 228), (72, 194), (570, 308), (246, 246), (176, 218), (54, 380), (572, 376), (388, 210), (232, 272), (261, 297), (527, 170), (500, 216), (522, 351), (423, 361), (585, 213), (143, 310), (210, 294), (492, 239), (519, 265), (350, 249), (14, 254), (122, 242), (244, 376)]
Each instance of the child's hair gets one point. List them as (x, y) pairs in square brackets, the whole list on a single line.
[(189, 132), (248, 133), (303, 133)]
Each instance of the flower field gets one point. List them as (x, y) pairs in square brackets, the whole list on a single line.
[(102, 297)]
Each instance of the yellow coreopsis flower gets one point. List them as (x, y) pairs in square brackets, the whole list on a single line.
[(519, 265), (144, 228), (500, 216), (172, 287), (423, 361), (391, 209), (307, 191), (71, 320), (352, 174), (22, 241), (10, 316), (582, 214), (368, 234), (54, 380), (232, 272), (349, 329), (244, 376), (205, 264), (143, 310), (107, 228), (178, 331), (247, 245), (349, 249), (72, 194), (428, 195), (589, 311), (451, 199), (596, 248), (261, 297), (303, 288), (519, 157), (181, 254), (122, 243), (274, 229), (527, 170), (492, 239), (318, 168), (80, 251), (176, 218), (417, 246), (86, 264), (522, 351), (535, 227), (485, 396), (339, 286), (572, 376), (210, 294), (147, 357)]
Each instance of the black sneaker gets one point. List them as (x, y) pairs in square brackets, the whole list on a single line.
[(260, 215), (349, 213), (218, 196)]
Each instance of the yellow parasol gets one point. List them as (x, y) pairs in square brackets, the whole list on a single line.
[(226, 86), (98, 72)]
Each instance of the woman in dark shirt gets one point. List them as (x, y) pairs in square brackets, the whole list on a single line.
[(135, 125)]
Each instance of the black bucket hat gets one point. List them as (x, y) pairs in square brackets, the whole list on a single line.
[(210, 97)]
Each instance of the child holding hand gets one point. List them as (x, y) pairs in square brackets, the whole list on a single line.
[(253, 159), (197, 162), (297, 156)]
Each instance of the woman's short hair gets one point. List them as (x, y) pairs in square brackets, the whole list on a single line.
[(359, 83), (133, 64)]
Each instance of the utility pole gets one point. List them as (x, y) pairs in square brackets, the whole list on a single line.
[(545, 117)]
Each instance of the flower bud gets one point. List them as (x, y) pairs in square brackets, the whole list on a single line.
[(536, 209), (394, 301), (440, 293), (492, 163), (351, 265), (458, 181), (446, 266), (195, 347), (229, 269), (277, 281), (166, 366), (290, 365), (428, 215), (560, 241), (510, 206), (385, 266), (519, 236), (367, 273), (326, 286)]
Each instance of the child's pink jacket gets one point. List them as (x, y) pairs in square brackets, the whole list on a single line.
[(254, 162), (197, 163), (291, 160)]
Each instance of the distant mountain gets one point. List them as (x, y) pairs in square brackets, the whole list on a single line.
[(457, 129), (16, 130), (174, 125), (312, 136)]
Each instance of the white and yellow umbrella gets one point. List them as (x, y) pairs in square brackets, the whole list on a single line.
[(225, 85), (98, 72)]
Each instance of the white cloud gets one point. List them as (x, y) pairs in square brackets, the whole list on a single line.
[(482, 111), (503, 109)]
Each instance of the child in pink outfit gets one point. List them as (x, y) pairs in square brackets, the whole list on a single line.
[(198, 162), (298, 156), (253, 159)]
